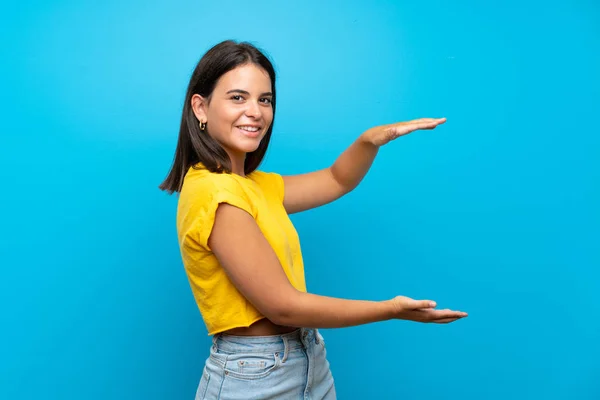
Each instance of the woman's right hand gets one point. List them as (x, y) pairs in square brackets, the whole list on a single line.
[(423, 311)]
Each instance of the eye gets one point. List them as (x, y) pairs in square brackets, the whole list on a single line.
[(237, 97), (267, 100)]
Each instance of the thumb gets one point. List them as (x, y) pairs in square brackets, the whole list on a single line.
[(423, 304)]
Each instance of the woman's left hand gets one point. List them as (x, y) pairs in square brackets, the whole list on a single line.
[(384, 134)]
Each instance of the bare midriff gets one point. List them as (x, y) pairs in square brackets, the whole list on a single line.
[(263, 327)]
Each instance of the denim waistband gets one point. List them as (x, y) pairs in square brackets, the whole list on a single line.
[(274, 343)]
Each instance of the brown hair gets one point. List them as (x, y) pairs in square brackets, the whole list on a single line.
[(194, 146)]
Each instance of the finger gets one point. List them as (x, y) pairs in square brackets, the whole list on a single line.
[(437, 121), (427, 124), (404, 128), (441, 314), (445, 320), (425, 304), (429, 120), (409, 128)]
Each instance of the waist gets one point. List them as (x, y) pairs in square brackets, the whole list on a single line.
[(262, 327), (296, 339)]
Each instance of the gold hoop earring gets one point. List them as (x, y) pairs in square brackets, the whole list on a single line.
[(202, 126)]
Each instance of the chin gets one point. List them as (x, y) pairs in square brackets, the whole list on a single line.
[(248, 146), (250, 149)]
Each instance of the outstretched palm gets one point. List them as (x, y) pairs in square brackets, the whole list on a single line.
[(424, 311), (384, 134)]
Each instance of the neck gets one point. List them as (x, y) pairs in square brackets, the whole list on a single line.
[(237, 163)]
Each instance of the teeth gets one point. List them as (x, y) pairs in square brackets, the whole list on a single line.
[(249, 128)]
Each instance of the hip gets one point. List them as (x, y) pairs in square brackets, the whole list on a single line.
[(288, 366)]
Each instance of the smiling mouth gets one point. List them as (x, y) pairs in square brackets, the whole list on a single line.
[(249, 128), (251, 132)]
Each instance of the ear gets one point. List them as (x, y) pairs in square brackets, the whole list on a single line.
[(199, 107)]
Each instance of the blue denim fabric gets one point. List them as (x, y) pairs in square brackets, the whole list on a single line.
[(290, 366)]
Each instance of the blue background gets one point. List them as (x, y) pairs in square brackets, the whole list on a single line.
[(497, 212)]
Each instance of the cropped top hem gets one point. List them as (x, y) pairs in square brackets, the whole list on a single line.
[(226, 328)]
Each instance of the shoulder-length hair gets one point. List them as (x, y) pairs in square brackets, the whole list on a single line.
[(194, 146)]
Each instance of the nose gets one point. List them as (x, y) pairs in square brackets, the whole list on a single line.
[(253, 110)]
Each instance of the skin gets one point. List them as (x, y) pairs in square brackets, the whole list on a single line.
[(241, 98)]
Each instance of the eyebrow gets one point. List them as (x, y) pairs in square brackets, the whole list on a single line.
[(248, 93)]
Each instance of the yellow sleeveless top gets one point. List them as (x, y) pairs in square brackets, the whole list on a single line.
[(260, 194)]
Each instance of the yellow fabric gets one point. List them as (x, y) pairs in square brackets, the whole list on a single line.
[(261, 195)]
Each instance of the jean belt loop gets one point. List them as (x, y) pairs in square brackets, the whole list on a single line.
[(316, 336), (286, 349)]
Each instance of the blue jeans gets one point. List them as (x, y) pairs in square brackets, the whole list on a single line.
[(289, 366)]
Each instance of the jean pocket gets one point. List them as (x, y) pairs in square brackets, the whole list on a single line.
[(251, 365)]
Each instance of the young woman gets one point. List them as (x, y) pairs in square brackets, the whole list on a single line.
[(239, 248)]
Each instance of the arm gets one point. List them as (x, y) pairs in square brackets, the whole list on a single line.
[(253, 267), (306, 191)]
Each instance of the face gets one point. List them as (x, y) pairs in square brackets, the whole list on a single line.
[(239, 112)]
